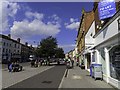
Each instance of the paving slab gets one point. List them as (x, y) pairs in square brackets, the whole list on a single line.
[(78, 78)]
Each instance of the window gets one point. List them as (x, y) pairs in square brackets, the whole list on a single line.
[(4, 43), (18, 46), (15, 45), (9, 50), (6, 50), (102, 59), (3, 49), (7, 44), (115, 62)]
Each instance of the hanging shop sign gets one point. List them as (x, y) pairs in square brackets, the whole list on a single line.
[(106, 9)]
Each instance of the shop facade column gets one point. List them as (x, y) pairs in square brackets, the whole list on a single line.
[(107, 64), (98, 57)]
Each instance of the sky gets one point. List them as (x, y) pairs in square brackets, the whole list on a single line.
[(33, 21)]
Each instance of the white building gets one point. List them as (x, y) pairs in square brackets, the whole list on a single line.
[(9, 48), (107, 50), (89, 44)]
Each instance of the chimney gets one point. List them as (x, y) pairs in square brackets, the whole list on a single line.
[(9, 35), (18, 40), (30, 45), (26, 43)]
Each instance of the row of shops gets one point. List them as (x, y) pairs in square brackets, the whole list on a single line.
[(98, 42)]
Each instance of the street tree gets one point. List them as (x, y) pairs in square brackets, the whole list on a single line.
[(47, 47), (59, 53)]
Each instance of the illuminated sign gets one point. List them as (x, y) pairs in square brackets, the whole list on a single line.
[(106, 9)]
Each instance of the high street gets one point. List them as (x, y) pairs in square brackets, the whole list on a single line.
[(49, 78), (52, 77)]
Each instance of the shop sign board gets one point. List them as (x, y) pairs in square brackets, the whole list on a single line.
[(106, 9)]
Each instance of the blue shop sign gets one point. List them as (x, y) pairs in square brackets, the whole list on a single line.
[(106, 9)]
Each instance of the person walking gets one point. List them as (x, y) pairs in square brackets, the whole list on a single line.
[(9, 63), (72, 61)]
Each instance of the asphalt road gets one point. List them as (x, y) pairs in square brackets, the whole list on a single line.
[(48, 79)]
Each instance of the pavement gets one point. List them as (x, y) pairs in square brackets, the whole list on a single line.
[(78, 78)]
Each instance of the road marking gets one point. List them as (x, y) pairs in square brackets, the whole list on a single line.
[(60, 86)]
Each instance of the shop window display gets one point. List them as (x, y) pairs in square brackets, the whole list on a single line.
[(115, 62)]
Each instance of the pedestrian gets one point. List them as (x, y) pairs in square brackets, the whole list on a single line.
[(9, 63), (72, 61), (10, 67)]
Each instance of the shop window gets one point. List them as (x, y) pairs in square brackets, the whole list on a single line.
[(115, 62), (102, 60)]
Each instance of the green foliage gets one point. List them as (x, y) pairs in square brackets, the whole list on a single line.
[(49, 48), (59, 53)]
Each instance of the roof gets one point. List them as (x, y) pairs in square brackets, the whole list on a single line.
[(8, 38)]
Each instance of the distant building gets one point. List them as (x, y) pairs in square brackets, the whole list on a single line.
[(12, 50)]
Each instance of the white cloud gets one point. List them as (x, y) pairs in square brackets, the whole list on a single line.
[(55, 17), (34, 15), (71, 20), (25, 28), (12, 9), (74, 24), (8, 9), (67, 46)]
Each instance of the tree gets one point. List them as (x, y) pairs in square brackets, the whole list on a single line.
[(47, 47), (59, 53)]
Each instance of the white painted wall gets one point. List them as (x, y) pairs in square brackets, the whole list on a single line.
[(89, 40), (109, 32)]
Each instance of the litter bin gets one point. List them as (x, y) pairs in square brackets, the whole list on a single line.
[(91, 70), (97, 71)]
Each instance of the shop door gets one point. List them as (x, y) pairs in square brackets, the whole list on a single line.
[(88, 61)]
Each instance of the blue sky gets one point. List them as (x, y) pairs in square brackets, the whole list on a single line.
[(32, 21)]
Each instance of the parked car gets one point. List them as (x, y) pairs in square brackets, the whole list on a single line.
[(61, 61)]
